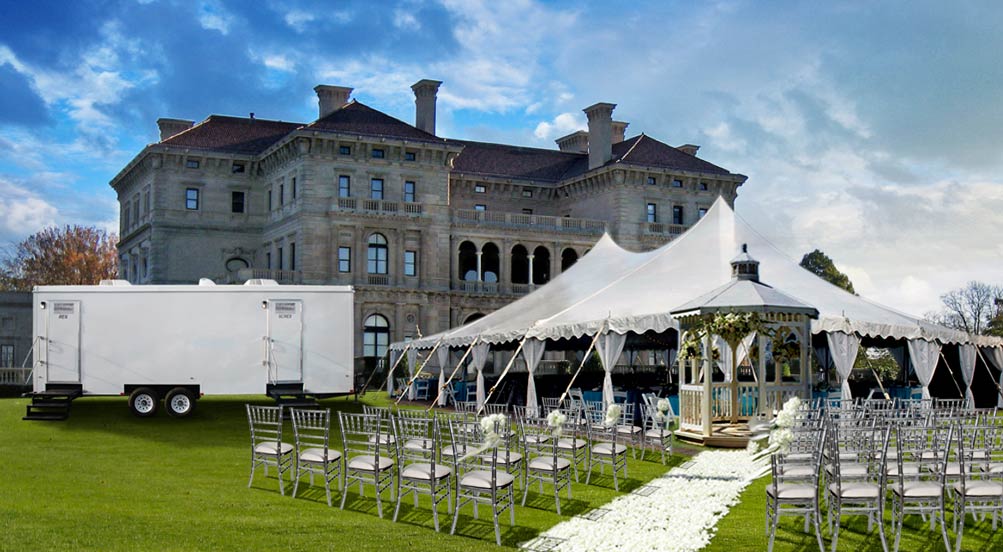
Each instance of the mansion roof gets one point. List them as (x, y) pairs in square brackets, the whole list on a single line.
[(253, 136)]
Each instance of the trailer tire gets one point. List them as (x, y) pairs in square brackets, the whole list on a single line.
[(143, 402), (180, 402)]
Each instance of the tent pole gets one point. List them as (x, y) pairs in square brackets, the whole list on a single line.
[(954, 381), (458, 364), (581, 365), (992, 376), (511, 361), (418, 371), (390, 374)]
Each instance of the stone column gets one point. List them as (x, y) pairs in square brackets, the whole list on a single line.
[(530, 257), (480, 272)]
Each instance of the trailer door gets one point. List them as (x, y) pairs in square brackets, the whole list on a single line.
[(62, 342), (285, 341)]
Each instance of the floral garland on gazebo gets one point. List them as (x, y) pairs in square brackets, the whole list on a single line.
[(732, 327)]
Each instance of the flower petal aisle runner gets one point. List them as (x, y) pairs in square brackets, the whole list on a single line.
[(677, 511)]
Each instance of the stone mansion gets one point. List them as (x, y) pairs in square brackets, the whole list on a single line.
[(432, 232)]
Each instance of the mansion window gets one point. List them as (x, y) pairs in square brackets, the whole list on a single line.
[(237, 167), (677, 214), (701, 212), (135, 210), (527, 211), (292, 256), (344, 259), (410, 156), (703, 186), (651, 180), (652, 213), (268, 260), (479, 189), (192, 163), (480, 207), (375, 336), (527, 193), (192, 199), (376, 188), (344, 186), (376, 255), (281, 258), (237, 202), (410, 263), (409, 191), (677, 183), (344, 150), (294, 187), (125, 217), (6, 356), (378, 153), (282, 194)]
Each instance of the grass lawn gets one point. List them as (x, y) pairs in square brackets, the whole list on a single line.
[(105, 480), (743, 528)]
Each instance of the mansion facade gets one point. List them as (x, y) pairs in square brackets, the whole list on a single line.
[(432, 232)]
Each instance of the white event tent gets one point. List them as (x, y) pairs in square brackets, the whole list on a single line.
[(616, 292)]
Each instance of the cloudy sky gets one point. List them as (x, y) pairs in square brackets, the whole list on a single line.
[(873, 132)]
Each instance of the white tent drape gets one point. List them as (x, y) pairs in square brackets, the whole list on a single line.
[(995, 357), (412, 368), (670, 357), (843, 349), (478, 357), (609, 346), (394, 355), (443, 354), (532, 353), (726, 355), (924, 356), (966, 354)]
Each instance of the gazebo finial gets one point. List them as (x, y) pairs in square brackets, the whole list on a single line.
[(744, 267)]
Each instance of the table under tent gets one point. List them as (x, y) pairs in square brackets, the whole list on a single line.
[(612, 298)]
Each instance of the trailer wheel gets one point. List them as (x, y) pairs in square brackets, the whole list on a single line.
[(180, 402), (143, 402)]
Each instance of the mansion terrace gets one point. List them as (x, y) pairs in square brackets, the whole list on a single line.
[(432, 232)]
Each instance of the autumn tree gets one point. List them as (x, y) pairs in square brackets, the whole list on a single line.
[(60, 256), (821, 265), (976, 308)]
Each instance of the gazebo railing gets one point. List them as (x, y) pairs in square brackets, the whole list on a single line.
[(691, 401)]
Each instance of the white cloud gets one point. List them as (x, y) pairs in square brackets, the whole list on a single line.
[(279, 62), (562, 125), (22, 212), (213, 17), (299, 19), (405, 20)]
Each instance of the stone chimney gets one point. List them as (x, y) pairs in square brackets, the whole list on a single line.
[(689, 149), (331, 98), (619, 131), (576, 142), (600, 117), (424, 104), (171, 127)]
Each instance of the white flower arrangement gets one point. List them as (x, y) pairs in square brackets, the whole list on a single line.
[(555, 421), (679, 515), (492, 438), (779, 433), (662, 416), (613, 415)]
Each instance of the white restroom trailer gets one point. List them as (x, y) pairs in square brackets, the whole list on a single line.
[(177, 342)]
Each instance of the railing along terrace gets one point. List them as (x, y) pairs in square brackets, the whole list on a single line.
[(664, 228), (521, 220), (11, 376), (379, 207)]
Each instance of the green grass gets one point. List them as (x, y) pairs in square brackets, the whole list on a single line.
[(743, 528), (105, 480)]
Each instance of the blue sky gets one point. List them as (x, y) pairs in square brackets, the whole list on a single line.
[(873, 131)]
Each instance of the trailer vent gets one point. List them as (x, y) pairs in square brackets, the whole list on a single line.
[(204, 282), (114, 283), (261, 282)]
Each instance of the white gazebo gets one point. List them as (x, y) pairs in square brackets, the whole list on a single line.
[(716, 413)]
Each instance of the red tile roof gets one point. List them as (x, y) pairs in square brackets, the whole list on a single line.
[(646, 151), (358, 118), (515, 161), (232, 134)]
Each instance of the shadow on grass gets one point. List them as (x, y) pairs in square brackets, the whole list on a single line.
[(545, 501), (605, 481)]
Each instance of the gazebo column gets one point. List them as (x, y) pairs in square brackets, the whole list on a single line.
[(806, 354), (707, 378), (761, 369), (734, 381)]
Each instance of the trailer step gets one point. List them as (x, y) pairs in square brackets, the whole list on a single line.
[(52, 404)]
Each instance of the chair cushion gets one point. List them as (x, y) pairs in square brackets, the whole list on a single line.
[(419, 445), (270, 447), (627, 430), (384, 439), (855, 490), (797, 470), (980, 488), (367, 462), (544, 463), (316, 455), (481, 479), (513, 458), (788, 491), (538, 438), (448, 450), (848, 469), (908, 468), (919, 489), (568, 444), (424, 471), (606, 449), (657, 434), (993, 467)]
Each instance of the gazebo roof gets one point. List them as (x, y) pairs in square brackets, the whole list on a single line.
[(746, 296)]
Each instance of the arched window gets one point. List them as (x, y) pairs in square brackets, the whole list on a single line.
[(473, 317), (490, 262), (375, 336), (541, 265), (568, 258), (236, 263), (466, 262), (520, 265), (377, 254)]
